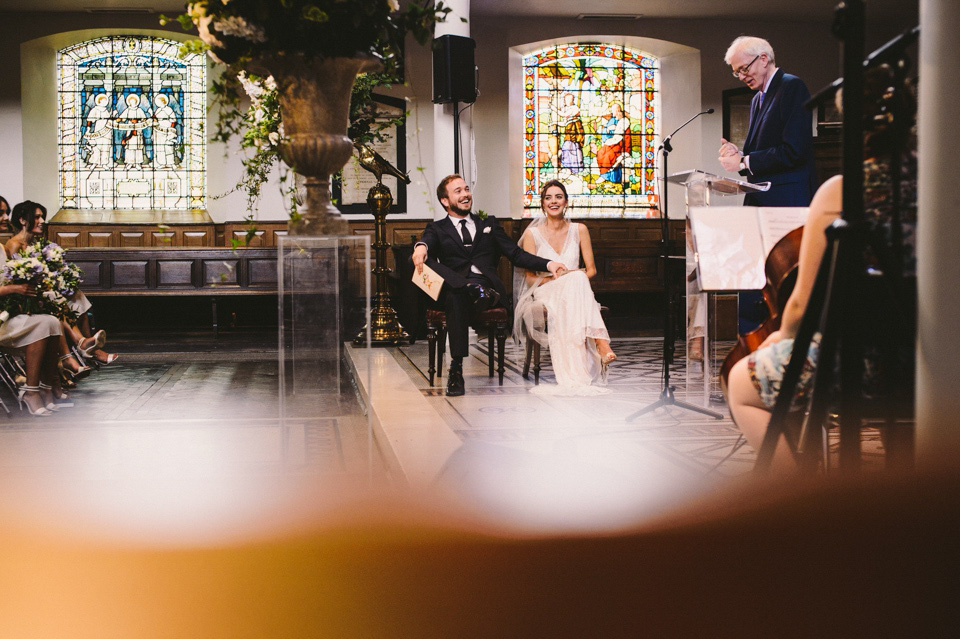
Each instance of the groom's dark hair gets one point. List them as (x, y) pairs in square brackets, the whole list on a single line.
[(442, 188)]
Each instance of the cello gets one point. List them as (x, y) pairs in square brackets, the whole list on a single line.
[(781, 271)]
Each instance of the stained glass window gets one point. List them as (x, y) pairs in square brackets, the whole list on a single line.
[(591, 119), (132, 125)]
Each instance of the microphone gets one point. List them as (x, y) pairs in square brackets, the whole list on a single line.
[(666, 141)]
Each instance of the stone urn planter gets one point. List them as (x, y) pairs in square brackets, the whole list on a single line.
[(315, 108)]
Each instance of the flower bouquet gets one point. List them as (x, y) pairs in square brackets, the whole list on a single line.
[(42, 266)]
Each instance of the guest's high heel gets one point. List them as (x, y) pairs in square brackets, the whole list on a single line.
[(65, 381), (52, 406), (80, 373), (21, 399), (99, 339), (108, 358)]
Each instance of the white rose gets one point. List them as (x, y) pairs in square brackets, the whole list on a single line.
[(4, 316), (274, 138)]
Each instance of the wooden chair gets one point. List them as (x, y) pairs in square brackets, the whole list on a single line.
[(496, 321)]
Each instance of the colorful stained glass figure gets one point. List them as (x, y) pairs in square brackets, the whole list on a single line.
[(132, 125), (591, 120)]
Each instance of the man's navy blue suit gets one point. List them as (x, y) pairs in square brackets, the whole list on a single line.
[(780, 145)]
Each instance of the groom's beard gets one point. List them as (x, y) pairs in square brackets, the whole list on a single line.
[(464, 209)]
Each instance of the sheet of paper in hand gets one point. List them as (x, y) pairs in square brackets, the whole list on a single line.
[(428, 281)]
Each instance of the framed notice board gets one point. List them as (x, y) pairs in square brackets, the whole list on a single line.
[(350, 190)]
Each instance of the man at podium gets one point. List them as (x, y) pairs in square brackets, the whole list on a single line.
[(779, 144)]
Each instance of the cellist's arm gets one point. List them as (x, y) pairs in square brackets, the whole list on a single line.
[(824, 210)]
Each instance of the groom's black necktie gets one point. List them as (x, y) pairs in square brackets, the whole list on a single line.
[(465, 234)]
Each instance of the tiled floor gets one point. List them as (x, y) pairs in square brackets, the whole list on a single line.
[(183, 405)]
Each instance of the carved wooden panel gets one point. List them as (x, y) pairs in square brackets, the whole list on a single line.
[(129, 273), (174, 273), (221, 272), (100, 239), (67, 239), (262, 273), (92, 272), (196, 238), (162, 238), (130, 239)]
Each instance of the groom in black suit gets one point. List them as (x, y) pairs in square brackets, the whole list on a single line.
[(464, 250)]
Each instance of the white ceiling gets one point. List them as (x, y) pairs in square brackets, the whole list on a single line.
[(794, 10)]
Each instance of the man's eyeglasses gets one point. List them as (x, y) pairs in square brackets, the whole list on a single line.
[(742, 70)]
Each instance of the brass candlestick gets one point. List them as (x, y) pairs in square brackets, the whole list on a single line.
[(385, 330)]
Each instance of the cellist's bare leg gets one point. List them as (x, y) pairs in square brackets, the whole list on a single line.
[(752, 416)]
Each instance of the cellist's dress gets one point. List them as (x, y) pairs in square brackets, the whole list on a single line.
[(767, 365)]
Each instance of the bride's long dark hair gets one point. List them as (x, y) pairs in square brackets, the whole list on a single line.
[(547, 185)]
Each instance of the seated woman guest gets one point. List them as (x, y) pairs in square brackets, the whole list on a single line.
[(754, 381), (27, 220), (577, 337), (38, 336)]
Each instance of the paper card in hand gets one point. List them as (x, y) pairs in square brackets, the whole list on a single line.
[(428, 281)]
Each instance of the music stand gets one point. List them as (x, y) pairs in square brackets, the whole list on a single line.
[(700, 187)]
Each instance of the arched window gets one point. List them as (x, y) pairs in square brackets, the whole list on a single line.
[(132, 125), (591, 119)]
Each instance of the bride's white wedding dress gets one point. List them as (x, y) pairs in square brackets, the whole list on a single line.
[(567, 309)]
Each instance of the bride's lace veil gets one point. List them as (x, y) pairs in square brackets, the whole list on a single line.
[(529, 320)]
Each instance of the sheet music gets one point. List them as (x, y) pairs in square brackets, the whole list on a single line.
[(776, 222), (729, 248), (731, 243)]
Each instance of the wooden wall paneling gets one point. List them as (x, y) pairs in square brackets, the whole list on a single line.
[(197, 238), (262, 273), (131, 239), (402, 233), (175, 273), (220, 272), (163, 238), (66, 239), (99, 239), (129, 274), (93, 274)]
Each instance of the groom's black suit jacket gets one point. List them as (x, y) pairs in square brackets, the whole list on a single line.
[(447, 255)]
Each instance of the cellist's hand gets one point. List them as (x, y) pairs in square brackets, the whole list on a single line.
[(772, 338)]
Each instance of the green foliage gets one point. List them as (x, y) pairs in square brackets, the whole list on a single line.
[(236, 32)]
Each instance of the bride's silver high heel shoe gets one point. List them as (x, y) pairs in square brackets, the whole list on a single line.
[(21, 399), (605, 362)]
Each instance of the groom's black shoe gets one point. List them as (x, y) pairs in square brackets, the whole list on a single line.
[(455, 383), (483, 298)]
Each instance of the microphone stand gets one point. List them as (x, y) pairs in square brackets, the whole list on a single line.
[(667, 397)]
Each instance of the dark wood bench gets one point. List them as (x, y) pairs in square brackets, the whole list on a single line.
[(175, 272)]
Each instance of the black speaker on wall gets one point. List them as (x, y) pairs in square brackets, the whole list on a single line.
[(454, 71)]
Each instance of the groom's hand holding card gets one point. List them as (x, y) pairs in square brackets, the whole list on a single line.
[(429, 281)]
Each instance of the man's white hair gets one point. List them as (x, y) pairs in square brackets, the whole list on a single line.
[(752, 46)]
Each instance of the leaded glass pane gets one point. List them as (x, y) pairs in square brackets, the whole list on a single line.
[(132, 123), (591, 119)]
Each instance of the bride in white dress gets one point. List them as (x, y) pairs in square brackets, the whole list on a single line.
[(562, 313)]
